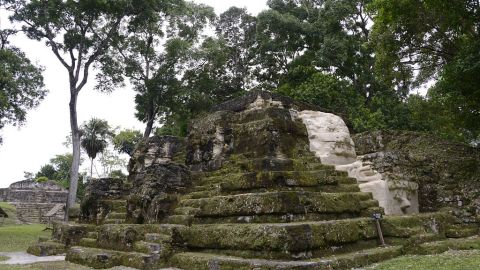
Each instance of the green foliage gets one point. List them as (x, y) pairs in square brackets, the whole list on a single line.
[(41, 179), (95, 134), (47, 171), (440, 39), (117, 174), (58, 170), (111, 162), (152, 53), (21, 85), (125, 140)]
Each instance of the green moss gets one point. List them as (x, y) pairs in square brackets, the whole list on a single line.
[(48, 248), (293, 202)]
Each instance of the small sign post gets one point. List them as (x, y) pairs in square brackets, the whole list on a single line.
[(376, 218)]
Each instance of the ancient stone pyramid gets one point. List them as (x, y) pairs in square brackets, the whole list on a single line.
[(244, 191)]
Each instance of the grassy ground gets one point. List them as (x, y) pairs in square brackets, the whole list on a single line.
[(17, 237), (451, 260), (10, 210)]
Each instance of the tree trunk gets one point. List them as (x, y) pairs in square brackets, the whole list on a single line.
[(148, 129), (91, 168), (72, 192)]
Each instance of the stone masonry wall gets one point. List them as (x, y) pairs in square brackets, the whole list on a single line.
[(33, 200), (448, 173)]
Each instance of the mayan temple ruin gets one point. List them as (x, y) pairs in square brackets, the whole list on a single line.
[(264, 182)]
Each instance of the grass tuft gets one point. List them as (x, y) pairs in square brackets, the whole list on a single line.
[(450, 260)]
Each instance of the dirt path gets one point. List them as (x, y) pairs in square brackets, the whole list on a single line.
[(25, 258)]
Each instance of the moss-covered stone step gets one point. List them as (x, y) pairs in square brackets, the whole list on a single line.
[(204, 261), (70, 234), (93, 234), (101, 258), (113, 221), (278, 203), (186, 220), (115, 205), (436, 247), (215, 190), (116, 215), (291, 240), (306, 163), (287, 240), (88, 242), (252, 180), (462, 230), (47, 248), (122, 237), (158, 238), (186, 211)]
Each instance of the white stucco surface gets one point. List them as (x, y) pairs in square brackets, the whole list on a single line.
[(330, 140)]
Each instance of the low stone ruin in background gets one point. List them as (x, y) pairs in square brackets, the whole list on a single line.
[(35, 201)]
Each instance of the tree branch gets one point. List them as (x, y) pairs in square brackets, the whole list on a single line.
[(100, 50)]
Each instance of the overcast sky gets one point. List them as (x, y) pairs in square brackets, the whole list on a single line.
[(41, 138)]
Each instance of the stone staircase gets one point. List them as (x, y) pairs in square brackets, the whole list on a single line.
[(138, 246), (117, 211), (255, 197), (300, 215)]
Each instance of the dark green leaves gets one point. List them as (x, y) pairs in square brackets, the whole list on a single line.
[(21, 86)]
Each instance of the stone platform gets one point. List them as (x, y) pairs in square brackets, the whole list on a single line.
[(245, 190)]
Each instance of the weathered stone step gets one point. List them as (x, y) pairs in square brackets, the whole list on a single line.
[(186, 210), (88, 242), (284, 202), (101, 258), (214, 190), (113, 221), (251, 180), (462, 230), (306, 239), (205, 261), (115, 205), (92, 235), (435, 247), (47, 248), (122, 237), (186, 220), (116, 215), (147, 247), (306, 163), (158, 238)]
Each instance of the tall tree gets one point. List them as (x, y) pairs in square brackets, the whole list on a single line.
[(79, 34), (126, 140), (95, 134), (21, 83), (152, 51), (237, 29), (303, 44), (437, 41)]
